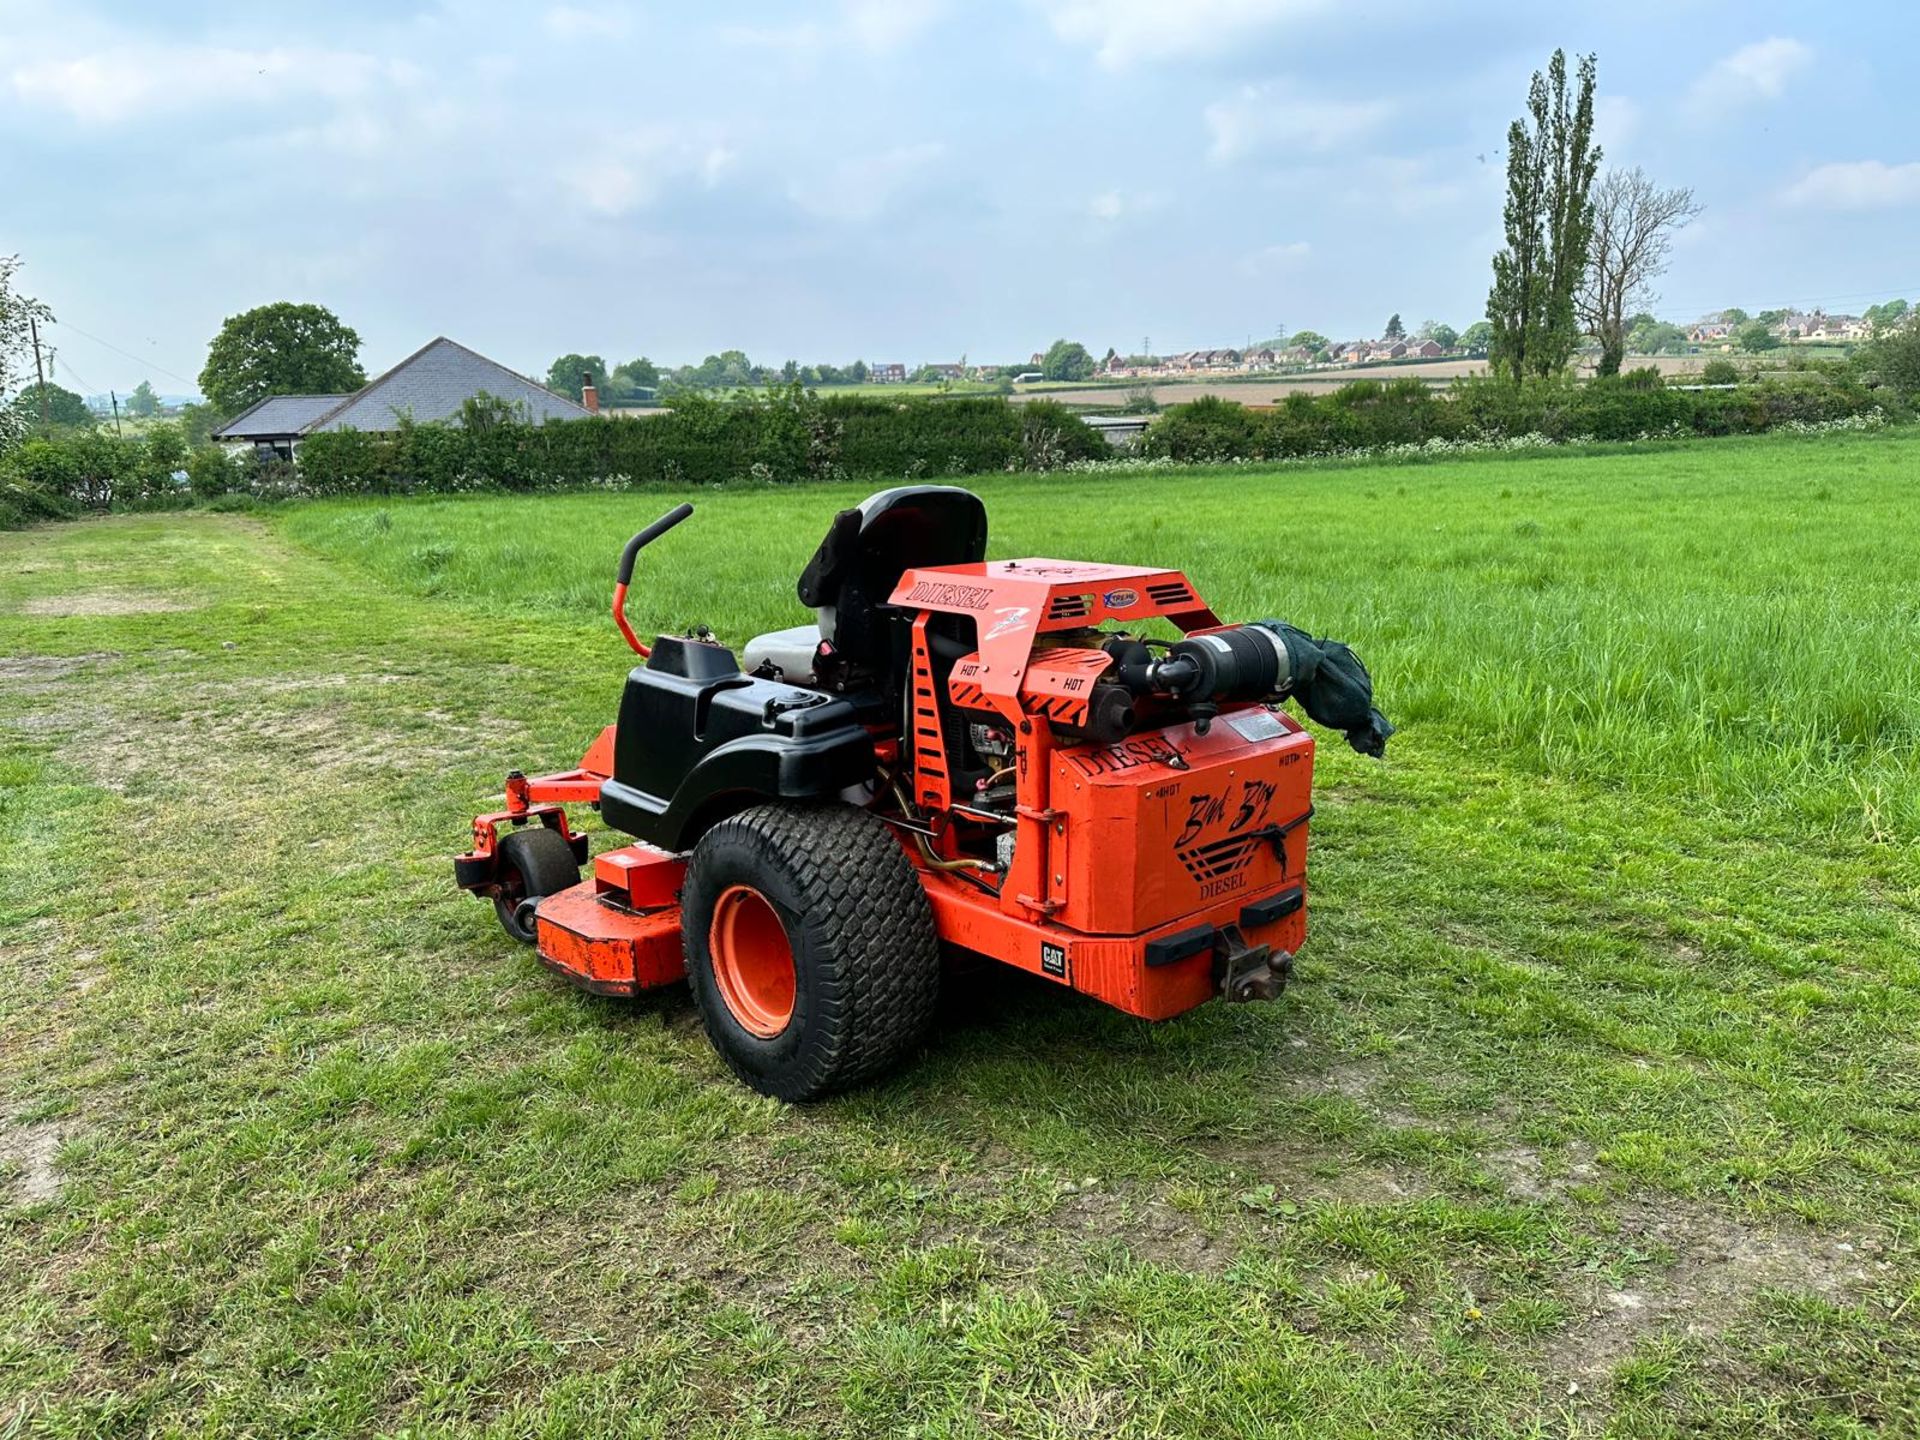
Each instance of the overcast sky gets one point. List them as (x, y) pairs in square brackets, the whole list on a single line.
[(900, 179)]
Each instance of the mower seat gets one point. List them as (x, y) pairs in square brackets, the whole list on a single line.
[(789, 651), (864, 554)]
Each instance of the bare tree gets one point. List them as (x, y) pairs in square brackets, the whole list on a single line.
[(1633, 225)]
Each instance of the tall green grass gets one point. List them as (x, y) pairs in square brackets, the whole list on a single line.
[(1733, 625)]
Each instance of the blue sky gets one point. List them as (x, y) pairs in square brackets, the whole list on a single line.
[(901, 179)]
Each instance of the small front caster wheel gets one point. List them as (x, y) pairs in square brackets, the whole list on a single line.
[(531, 863)]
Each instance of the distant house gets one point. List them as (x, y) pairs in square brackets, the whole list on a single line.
[(943, 371), (1710, 332), (1427, 349), (887, 374), (432, 384)]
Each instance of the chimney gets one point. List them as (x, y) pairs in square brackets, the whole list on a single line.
[(589, 396)]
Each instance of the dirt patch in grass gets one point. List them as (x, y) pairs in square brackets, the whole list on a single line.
[(1719, 1267), (29, 1149), (102, 603), (33, 673)]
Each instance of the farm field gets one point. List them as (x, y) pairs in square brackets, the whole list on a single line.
[(1258, 390), (1595, 1106)]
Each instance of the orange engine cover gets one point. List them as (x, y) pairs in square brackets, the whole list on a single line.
[(1142, 842)]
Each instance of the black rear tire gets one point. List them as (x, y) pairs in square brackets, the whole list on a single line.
[(530, 863), (865, 954)]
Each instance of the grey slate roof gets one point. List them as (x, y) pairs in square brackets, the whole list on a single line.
[(277, 417), (431, 384)]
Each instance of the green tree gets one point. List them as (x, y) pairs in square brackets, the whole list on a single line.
[(1395, 330), (1653, 337), (143, 403), (1477, 338), (857, 372), (1549, 225), (637, 372), (280, 349), (1067, 360), (1892, 357), (1757, 335), (1771, 317), (563, 376), (18, 314), (1441, 333), (1882, 317), (1309, 340), (65, 410), (1736, 316)]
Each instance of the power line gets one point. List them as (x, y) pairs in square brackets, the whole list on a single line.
[(128, 354)]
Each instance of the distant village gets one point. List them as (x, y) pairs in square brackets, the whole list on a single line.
[(1720, 331)]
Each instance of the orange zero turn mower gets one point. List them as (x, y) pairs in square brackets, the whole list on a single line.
[(957, 756)]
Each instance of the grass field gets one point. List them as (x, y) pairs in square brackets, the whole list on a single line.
[(1594, 1108)]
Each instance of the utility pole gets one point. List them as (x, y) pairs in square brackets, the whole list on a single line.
[(115, 398), (40, 372)]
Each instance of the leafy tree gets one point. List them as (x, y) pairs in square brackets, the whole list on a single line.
[(143, 403), (641, 374), (857, 372), (1771, 317), (1882, 317), (1441, 333), (1477, 338), (1653, 337), (563, 376), (1633, 225), (280, 349), (18, 313), (1736, 316), (1067, 360), (1549, 225), (197, 422), (1309, 340), (65, 410), (1757, 335), (1395, 330), (1892, 357)]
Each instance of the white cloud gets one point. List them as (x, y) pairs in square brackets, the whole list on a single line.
[(872, 27), (115, 84), (1123, 33), (1110, 206), (1616, 121), (1857, 185), (880, 27), (577, 22), (859, 187), (1272, 118), (636, 169), (1750, 75), (1273, 259)]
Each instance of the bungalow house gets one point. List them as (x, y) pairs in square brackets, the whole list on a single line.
[(432, 384)]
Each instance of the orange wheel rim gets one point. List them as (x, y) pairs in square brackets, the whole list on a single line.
[(752, 961)]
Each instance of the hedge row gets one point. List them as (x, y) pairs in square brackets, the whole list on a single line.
[(783, 437), (789, 435), (1368, 414)]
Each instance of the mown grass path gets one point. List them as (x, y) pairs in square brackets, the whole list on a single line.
[(1594, 1108)]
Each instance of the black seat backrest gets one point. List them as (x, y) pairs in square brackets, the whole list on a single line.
[(868, 549)]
